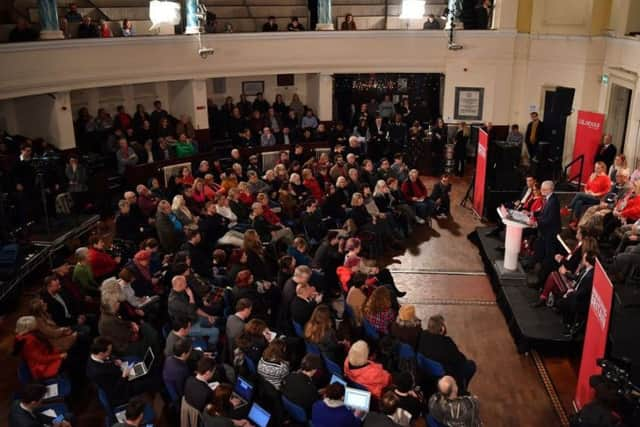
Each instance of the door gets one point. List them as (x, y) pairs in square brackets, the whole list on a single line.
[(618, 115)]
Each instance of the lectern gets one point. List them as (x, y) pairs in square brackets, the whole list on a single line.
[(515, 222)]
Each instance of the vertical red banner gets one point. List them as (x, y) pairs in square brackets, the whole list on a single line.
[(595, 339), (588, 136), (481, 172)]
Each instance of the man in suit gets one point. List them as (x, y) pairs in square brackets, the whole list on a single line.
[(378, 143), (436, 345), (24, 412), (606, 152), (574, 304), (196, 389), (534, 134), (59, 304), (176, 370), (304, 303), (109, 375), (549, 224)]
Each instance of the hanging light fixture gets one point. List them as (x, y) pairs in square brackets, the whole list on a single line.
[(412, 9)]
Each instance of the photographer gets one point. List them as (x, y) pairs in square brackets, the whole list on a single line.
[(600, 411)]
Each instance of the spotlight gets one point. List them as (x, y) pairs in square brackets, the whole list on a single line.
[(412, 9), (164, 12)]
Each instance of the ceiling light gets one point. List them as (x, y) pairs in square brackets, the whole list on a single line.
[(412, 9)]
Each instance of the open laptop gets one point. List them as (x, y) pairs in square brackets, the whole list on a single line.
[(258, 416), (243, 391), (142, 368), (357, 399), (337, 379)]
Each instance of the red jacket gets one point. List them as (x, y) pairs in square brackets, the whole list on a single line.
[(101, 263), (600, 184), (632, 210), (245, 198), (372, 376), (314, 187), (43, 361), (269, 215), (414, 189)]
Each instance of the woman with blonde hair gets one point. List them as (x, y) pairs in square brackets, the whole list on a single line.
[(61, 339), (181, 211), (378, 310), (320, 331), (407, 326), (198, 192), (41, 358)]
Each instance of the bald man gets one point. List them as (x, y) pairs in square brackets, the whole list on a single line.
[(449, 409), (182, 305), (606, 152), (549, 224)]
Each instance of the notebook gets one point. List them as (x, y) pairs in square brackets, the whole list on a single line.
[(259, 416), (357, 399)]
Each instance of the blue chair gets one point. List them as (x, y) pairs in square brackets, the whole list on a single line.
[(332, 366), (250, 365), (348, 312), (173, 394), (111, 418), (25, 377), (296, 412), (312, 348), (297, 327), (430, 367), (369, 331), (405, 351), (432, 422)]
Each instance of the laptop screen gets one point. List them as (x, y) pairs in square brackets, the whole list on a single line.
[(337, 379), (259, 416), (357, 399), (244, 389), (148, 358)]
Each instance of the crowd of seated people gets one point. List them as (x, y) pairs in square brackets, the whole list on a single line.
[(268, 275)]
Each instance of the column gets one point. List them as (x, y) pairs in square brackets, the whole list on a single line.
[(325, 20), (192, 22), (325, 96), (190, 97), (47, 116), (50, 27)]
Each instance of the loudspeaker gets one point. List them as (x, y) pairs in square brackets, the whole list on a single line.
[(562, 100), (623, 336), (503, 172)]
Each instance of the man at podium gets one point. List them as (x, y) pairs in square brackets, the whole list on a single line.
[(549, 224)]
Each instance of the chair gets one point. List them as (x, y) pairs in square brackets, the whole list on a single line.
[(296, 412), (430, 367), (297, 327), (369, 331), (25, 377), (432, 422), (312, 348), (173, 394), (332, 366), (405, 351), (250, 365)]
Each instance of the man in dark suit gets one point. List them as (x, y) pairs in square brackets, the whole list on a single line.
[(549, 224), (60, 305), (176, 369), (108, 374), (196, 389), (304, 303), (378, 143), (574, 304), (436, 345), (25, 412), (606, 152), (534, 134)]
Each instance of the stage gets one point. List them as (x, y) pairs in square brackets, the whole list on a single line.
[(530, 327)]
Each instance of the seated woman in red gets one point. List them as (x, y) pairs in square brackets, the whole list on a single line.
[(39, 355), (596, 187), (358, 368)]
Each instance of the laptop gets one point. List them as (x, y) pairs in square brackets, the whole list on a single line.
[(243, 391), (337, 379), (259, 416), (357, 399), (142, 368)]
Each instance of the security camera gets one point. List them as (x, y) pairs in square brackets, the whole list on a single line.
[(205, 52)]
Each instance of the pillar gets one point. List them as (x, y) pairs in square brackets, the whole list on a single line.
[(47, 116), (325, 20), (50, 27), (192, 21), (190, 97)]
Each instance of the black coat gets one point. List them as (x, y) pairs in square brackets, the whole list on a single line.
[(56, 310), (301, 310), (108, 377), (549, 221), (444, 350), (539, 133), (197, 393), (606, 154)]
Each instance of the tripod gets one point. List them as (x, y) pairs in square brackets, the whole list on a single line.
[(468, 196)]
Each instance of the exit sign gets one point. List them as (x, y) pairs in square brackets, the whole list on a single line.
[(605, 79)]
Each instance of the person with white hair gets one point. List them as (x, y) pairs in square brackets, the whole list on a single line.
[(181, 211), (82, 274), (448, 408)]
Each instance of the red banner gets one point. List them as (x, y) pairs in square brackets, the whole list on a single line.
[(481, 172), (588, 137), (595, 339)]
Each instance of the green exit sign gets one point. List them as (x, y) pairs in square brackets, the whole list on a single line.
[(605, 79)]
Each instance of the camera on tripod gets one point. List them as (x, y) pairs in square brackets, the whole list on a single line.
[(617, 373)]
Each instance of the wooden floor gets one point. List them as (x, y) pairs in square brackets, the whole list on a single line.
[(442, 273)]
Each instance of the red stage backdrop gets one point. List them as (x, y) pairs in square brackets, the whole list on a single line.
[(595, 339), (481, 172), (588, 136)]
